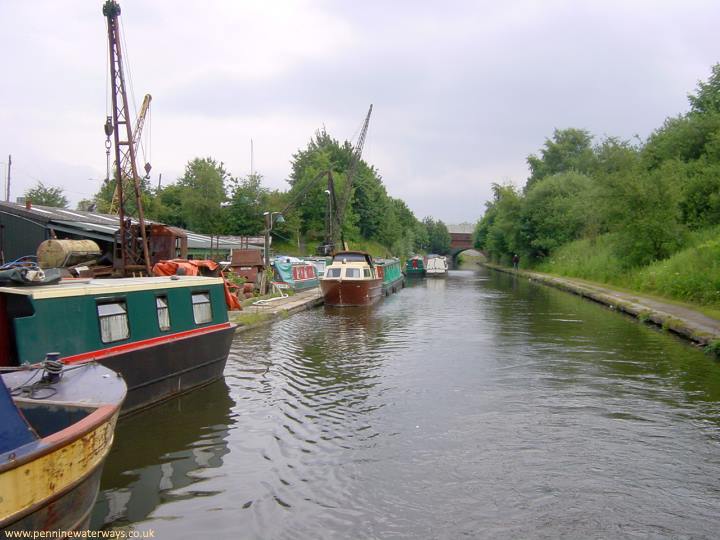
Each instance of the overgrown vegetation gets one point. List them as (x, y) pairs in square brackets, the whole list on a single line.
[(208, 199), (642, 215)]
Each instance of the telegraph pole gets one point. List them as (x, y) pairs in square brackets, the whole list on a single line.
[(7, 186)]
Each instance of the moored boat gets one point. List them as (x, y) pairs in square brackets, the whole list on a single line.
[(415, 266), (57, 428), (436, 266), (351, 280), (392, 276), (165, 335), (294, 273), (320, 263)]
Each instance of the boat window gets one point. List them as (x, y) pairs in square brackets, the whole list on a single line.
[(333, 272), (349, 256), (163, 312), (352, 272), (366, 272), (113, 321), (202, 310)]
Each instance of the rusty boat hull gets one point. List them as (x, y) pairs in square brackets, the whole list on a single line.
[(51, 461), (341, 293)]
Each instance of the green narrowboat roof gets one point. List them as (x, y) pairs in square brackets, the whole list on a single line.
[(84, 287)]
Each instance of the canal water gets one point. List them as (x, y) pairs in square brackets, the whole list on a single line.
[(479, 406)]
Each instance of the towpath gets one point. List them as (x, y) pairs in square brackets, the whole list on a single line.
[(267, 311), (673, 316)]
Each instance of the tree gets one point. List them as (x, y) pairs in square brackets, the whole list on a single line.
[(499, 232), (643, 212), (46, 196), (685, 138), (568, 150), (438, 236), (104, 197), (707, 96), (196, 201), (247, 204), (370, 213), (555, 212)]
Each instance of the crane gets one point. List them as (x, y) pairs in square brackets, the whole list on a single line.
[(335, 213), (127, 252), (124, 167)]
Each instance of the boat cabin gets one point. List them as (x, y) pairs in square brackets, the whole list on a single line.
[(294, 273), (83, 319), (351, 265)]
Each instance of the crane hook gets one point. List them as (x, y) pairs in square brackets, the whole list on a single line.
[(109, 127)]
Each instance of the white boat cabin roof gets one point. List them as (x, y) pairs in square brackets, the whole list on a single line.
[(349, 257)]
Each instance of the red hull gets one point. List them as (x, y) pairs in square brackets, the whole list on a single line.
[(347, 292)]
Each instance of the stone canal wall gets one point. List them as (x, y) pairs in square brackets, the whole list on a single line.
[(677, 318)]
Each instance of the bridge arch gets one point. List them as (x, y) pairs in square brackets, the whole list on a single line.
[(459, 242)]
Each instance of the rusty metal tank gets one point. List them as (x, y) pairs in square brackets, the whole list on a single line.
[(63, 253)]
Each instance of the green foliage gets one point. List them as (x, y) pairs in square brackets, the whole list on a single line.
[(438, 237), (647, 195), (643, 210), (103, 198), (643, 217), (713, 348), (591, 259), (691, 275), (248, 202), (707, 96), (196, 200), (555, 211), (568, 150), (371, 214), (499, 232), (209, 200), (685, 138), (700, 194), (46, 196)]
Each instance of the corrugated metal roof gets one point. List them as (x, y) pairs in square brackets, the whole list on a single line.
[(103, 226)]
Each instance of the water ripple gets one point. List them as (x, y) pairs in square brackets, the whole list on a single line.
[(481, 406)]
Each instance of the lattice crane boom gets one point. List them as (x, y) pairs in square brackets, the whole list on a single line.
[(125, 169), (341, 206), (124, 149)]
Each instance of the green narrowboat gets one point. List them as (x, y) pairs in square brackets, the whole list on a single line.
[(415, 266), (295, 274), (392, 276), (165, 335)]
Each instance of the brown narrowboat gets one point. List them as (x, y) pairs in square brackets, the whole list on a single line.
[(351, 280)]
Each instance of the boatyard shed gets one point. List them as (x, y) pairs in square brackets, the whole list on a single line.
[(23, 227)]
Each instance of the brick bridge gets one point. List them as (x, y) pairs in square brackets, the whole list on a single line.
[(460, 240)]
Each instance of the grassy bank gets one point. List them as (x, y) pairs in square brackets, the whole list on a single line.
[(691, 275)]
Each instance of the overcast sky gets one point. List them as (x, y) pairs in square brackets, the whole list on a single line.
[(462, 91)]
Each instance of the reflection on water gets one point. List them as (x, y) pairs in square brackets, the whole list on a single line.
[(479, 405), (157, 453)]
